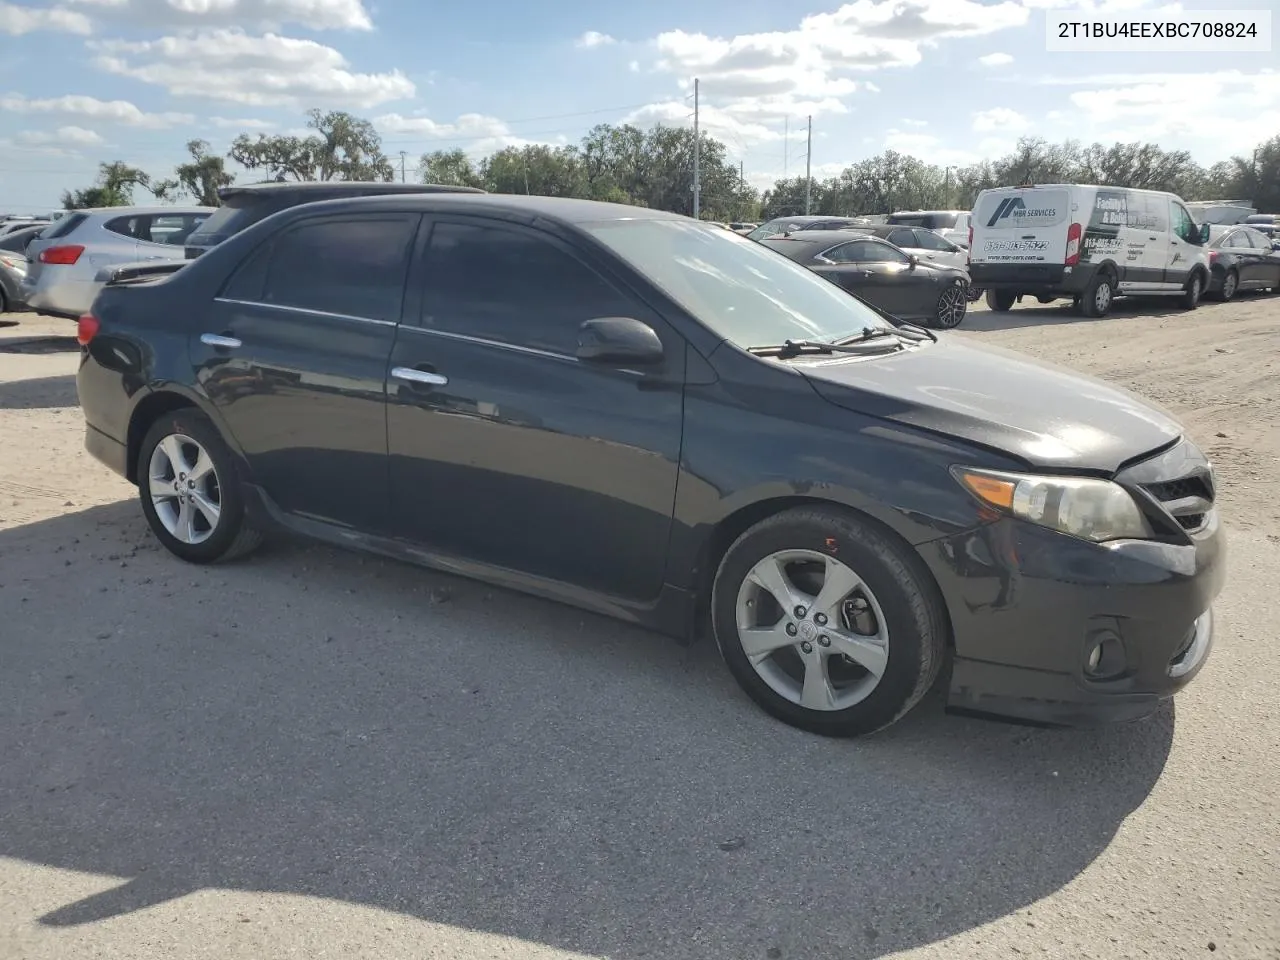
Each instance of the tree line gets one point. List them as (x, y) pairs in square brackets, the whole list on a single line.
[(654, 168)]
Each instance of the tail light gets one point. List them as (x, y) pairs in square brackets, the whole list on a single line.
[(1213, 256), (86, 329), (1073, 244), (61, 255)]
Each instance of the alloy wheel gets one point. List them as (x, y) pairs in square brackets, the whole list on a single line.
[(952, 305), (812, 629), (1229, 284), (184, 489)]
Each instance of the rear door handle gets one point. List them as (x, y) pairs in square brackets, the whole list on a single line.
[(419, 376), (215, 340)]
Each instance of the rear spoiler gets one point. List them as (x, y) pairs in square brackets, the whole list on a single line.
[(123, 273)]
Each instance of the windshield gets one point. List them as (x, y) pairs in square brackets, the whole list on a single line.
[(770, 228), (742, 290)]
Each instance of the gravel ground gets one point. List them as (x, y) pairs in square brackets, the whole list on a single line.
[(317, 754)]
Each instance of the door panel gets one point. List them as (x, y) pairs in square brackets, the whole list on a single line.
[(1182, 254), (304, 392), (525, 457)]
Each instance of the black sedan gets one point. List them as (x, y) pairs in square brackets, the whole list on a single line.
[(1242, 258), (880, 273), (662, 421)]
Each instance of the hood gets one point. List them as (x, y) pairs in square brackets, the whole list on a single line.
[(1042, 414)]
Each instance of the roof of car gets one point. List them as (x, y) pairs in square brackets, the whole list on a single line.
[(339, 187), (565, 209), (830, 237), (139, 211)]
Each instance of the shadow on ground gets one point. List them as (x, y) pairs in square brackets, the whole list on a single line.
[(320, 723), (39, 393), (1029, 313)]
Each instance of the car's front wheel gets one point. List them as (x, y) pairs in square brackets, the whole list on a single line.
[(826, 622), (188, 491)]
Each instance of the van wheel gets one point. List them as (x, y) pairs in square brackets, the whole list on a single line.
[(1096, 300), (1230, 284), (827, 623), (1190, 298), (1000, 301)]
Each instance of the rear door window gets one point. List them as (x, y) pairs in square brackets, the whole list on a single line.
[(134, 227), (173, 229), (350, 266)]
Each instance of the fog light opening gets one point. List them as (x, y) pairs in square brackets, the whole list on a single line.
[(1105, 657)]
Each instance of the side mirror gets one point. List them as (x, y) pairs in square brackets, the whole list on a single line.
[(915, 261), (1204, 234), (1275, 245), (622, 340)]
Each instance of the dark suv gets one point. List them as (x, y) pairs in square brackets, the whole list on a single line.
[(659, 420), (246, 204)]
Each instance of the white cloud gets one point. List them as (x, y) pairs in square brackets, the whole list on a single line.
[(931, 149), (593, 38), (70, 136), (16, 20), (263, 14), (1089, 6), (811, 69), (634, 66), (476, 133), (90, 108), (267, 70), (996, 60), (248, 124), (739, 123), (1169, 109), (1000, 119)]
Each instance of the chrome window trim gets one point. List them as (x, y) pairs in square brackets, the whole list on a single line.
[(304, 310)]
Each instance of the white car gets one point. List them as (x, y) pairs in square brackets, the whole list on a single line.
[(1088, 243), (951, 225)]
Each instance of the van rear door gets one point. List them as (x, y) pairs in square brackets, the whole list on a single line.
[(1021, 226)]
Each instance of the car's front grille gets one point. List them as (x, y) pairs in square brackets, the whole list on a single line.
[(1188, 499)]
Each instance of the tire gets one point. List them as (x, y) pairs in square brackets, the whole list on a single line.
[(1194, 290), (4, 302), (1045, 299), (975, 293), (1098, 296), (894, 599), (1230, 286), (1000, 301), (183, 434), (953, 303)]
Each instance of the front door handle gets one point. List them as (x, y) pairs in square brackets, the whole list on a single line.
[(216, 340), (419, 376)]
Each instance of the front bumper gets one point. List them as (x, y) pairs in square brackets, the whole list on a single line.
[(1028, 605)]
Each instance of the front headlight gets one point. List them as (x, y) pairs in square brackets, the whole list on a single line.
[(1083, 507)]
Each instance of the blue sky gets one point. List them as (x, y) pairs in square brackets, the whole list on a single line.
[(950, 81)]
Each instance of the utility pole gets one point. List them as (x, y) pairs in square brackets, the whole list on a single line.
[(402, 154), (697, 150), (808, 180)]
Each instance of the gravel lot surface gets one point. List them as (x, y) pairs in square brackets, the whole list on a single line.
[(317, 754)]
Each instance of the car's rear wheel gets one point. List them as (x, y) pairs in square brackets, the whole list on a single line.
[(1230, 286), (1000, 300), (951, 307), (186, 482), (826, 622), (1098, 296)]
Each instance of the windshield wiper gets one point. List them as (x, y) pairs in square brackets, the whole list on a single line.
[(872, 333), (793, 348)]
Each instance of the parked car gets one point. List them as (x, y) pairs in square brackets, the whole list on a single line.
[(952, 225), (880, 273), (1241, 258), (14, 224), (505, 380), (742, 228), (1088, 243), (245, 204), (65, 260), (1266, 223), (792, 224), (922, 243), (13, 266)]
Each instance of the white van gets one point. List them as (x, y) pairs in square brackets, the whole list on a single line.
[(1091, 244)]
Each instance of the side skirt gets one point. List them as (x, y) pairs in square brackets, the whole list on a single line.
[(672, 613)]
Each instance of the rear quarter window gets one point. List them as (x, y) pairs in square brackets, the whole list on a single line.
[(64, 226)]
